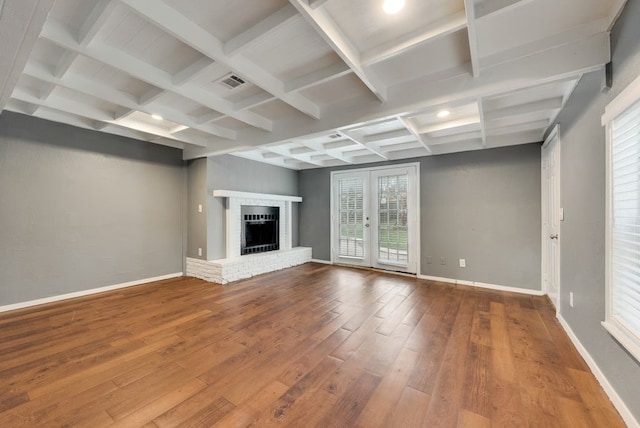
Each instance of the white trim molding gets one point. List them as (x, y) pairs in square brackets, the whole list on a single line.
[(82, 293), (483, 285), (249, 195), (324, 262), (622, 408)]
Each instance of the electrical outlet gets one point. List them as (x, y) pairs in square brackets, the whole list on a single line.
[(199, 208), (571, 299), (463, 263), (442, 261), (429, 260), (199, 251)]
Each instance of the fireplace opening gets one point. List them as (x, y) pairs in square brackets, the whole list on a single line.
[(260, 229)]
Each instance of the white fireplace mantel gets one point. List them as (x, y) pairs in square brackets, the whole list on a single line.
[(249, 195)]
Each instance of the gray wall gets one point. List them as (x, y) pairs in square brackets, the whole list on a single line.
[(483, 206), (233, 173), (82, 209), (582, 233), (197, 221)]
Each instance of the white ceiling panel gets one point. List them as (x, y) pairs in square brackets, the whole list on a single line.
[(226, 19), (309, 84), (440, 54), (367, 26)]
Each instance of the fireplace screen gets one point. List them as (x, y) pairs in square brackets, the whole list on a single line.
[(260, 229)]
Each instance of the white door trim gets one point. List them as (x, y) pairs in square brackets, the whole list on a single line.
[(554, 134), (416, 165)]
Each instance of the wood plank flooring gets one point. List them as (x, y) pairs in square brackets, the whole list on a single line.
[(313, 345)]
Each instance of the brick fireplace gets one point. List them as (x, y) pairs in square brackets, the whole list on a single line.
[(236, 266)]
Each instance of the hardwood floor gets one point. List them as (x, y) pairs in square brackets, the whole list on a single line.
[(313, 345)]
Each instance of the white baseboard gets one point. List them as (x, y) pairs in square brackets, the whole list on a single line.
[(324, 262), (608, 388), (484, 285), (51, 299)]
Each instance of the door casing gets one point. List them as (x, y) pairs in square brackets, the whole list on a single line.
[(414, 245), (551, 219)]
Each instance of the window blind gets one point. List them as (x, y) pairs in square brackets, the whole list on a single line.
[(623, 318)]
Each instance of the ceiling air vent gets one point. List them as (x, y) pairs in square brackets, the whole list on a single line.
[(231, 81), (334, 136)]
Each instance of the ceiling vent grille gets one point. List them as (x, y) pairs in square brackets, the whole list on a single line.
[(231, 81)]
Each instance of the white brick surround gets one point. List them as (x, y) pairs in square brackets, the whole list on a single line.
[(235, 267), (224, 271)]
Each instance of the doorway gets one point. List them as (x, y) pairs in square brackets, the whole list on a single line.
[(551, 217), (375, 217)]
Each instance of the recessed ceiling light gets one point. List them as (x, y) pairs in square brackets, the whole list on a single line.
[(392, 6), (156, 116), (443, 113)]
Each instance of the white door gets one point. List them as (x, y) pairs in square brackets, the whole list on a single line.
[(551, 218), (351, 219), (375, 218)]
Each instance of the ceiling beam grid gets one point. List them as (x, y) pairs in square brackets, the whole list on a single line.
[(188, 32)]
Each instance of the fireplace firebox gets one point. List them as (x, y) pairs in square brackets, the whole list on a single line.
[(260, 229)]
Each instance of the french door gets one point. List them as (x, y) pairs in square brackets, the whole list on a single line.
[(375, 217)]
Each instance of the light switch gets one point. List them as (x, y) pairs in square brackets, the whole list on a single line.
[(199, 208), (561, 214)]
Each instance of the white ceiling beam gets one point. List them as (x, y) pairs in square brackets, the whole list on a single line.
[(616, 10), (412, 127), (91, 24), (336, 154), (141, 70), (391, 135), (524, 109), (473, 37), (286, 154), (90, 112), (198, 38), (313, 4), (65, 105), (450, 125), (553, 65), (373, 148), (80, 122), (525, 137), (403, 146), (482, 116), (193, 71), (335, 37), (515, 129), (123, 99), (22, 107), (570, 36), (317, 77), (150, 96), (249, 37), (490, 7), (208, 117), (253, 101), (20, 25), (441, 28), (94, 21), (473, 135)]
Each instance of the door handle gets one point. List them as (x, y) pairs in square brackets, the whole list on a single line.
[(554, 236)]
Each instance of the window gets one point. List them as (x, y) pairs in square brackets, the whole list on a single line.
[(622, 121)]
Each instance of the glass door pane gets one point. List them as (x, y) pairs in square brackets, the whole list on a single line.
[(351, 214), (393, 229)]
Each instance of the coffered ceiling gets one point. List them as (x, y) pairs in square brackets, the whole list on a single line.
[(303, 83)]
